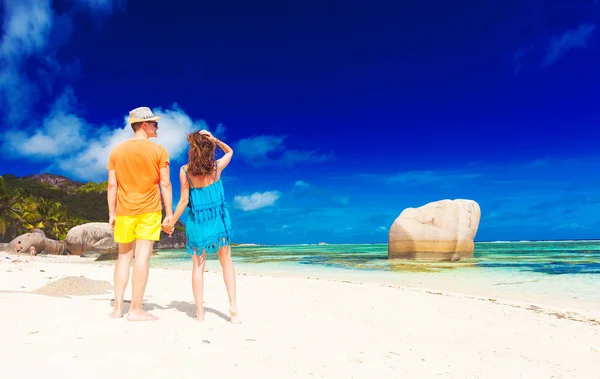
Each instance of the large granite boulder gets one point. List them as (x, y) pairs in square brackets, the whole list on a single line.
[(55, 247), (25, 241), (37, 239), (439, 231), (82, 237), (39, 231), (108, 255), (105, 245)]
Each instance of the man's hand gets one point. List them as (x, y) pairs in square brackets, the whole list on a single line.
[(111, 221)]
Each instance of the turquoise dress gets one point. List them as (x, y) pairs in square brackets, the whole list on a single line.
[(208, 226)]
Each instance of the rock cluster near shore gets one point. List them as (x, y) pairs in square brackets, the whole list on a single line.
[(90, 240)]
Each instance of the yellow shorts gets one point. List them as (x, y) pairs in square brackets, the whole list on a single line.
[(139, 227)]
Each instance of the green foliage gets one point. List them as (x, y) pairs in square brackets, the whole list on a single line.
[(26, 204), (8, 207), (92, 187)]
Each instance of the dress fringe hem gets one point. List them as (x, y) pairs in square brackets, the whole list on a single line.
[(210, 247)]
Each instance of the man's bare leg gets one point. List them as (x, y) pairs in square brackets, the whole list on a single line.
[(141, 268), (229, 278), (198, 283), (121, 278)]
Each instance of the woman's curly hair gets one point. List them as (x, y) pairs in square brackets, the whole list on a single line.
[(201, 154)]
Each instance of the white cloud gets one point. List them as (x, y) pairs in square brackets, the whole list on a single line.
[(27, 26), (270, 150), (301, 184), (60, 133), (574, 38), (257, 149), (257, 200), (220, 131)]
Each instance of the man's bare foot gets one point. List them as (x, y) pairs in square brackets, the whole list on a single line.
[(116, 313), (234, 317), (140, 316), (199, 315)]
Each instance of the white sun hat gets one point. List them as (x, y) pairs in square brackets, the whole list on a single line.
[(141, 114)]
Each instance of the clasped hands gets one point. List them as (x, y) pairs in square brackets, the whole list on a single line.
[(167, 227)]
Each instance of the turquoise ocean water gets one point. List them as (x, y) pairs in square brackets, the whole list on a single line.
[(567, 272)]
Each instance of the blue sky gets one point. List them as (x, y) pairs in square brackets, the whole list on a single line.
[(341, 114)]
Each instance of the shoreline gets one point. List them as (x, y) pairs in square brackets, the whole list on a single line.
[(588, 310), (469, 280)]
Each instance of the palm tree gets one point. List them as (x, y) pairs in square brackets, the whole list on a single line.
[(45, 214), (55, 219), (28, 217), (9, 210)]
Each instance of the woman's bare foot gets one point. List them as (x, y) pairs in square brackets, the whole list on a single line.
[(140, 316), (234, 317), (199, 315)]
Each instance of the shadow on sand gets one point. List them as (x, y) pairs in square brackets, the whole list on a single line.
[(190, 309), (182, 306)]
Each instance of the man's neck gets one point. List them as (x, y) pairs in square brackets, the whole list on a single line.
[(140, 134)]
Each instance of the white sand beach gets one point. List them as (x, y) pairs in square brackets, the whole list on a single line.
[(292, 327)]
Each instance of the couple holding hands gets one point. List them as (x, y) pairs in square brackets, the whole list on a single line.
[(138, 176)]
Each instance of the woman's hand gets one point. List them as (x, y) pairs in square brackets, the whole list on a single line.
[(209, 134), (168, 228)]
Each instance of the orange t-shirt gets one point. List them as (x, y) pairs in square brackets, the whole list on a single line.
[(137, 164)]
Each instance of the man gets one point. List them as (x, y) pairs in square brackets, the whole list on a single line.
[(18, 249), (135, 169)]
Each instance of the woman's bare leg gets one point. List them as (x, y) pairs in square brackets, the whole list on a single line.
[(229, 278), (198, 283)]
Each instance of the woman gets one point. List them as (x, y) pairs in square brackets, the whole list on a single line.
[(208, 227)]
